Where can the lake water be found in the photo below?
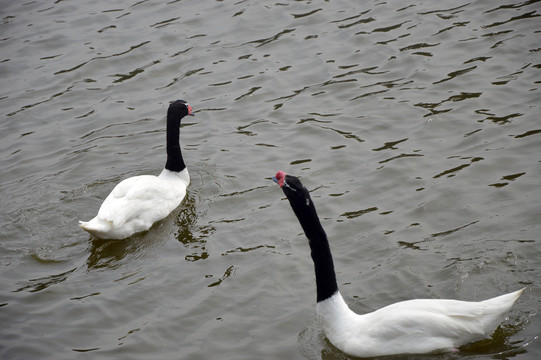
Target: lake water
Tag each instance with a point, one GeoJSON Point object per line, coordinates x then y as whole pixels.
{"type": "Point", "coordinates": [415, 125]}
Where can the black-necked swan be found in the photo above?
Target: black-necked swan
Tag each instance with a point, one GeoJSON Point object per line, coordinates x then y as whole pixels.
{"type": "Point", "coordinates": [415, 326]}
{"type": "Point", "coordinates": [138, 202]}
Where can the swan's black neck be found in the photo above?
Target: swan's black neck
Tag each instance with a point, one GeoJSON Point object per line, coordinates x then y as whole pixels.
{"type": "Point", "coordinates": [320, 249]}
{"type": "Point", "coordinates": [175, 162]}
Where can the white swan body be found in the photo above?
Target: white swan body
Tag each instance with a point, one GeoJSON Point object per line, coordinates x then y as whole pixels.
{"type": "Point", "coordinates": [408, 327]}
{"type": "Point", "coordinates": [138, 202]}
{"type": "Point", "coordinates": [412, 327]}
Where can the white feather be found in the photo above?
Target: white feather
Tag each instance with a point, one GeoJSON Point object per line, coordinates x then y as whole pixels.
{"type": "Point", "coordinates": [136, 203]}
{"type": "Point", "coordinates": [414, 326]}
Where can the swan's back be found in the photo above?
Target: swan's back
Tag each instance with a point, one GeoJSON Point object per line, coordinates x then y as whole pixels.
{"type": "Point", "coordinates": [466, 320]}
{"type": "Point", "coordinates": [136, 203]}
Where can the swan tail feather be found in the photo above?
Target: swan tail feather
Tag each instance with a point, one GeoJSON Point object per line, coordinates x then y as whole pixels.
{"type": "Point", "coordinates": [96, 227]}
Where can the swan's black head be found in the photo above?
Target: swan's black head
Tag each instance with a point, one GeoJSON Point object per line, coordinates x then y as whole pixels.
{"type": "Point", "coordinates": [179, 108]}
{"type": "Point", "coordinates": [297, 194]}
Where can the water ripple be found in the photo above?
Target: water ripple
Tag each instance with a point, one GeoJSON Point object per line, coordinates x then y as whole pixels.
{"type": "Point", "coordinates": [102, 57]}
{"type": "Point", "coordinates": [415, 126]}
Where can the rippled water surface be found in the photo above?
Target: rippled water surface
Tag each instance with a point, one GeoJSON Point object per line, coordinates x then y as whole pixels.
{"type": "Point", "coordinates": [415, 125]}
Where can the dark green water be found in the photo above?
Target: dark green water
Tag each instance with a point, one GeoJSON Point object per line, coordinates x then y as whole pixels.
{"type": "Point", "coordinates": [416, 126]}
